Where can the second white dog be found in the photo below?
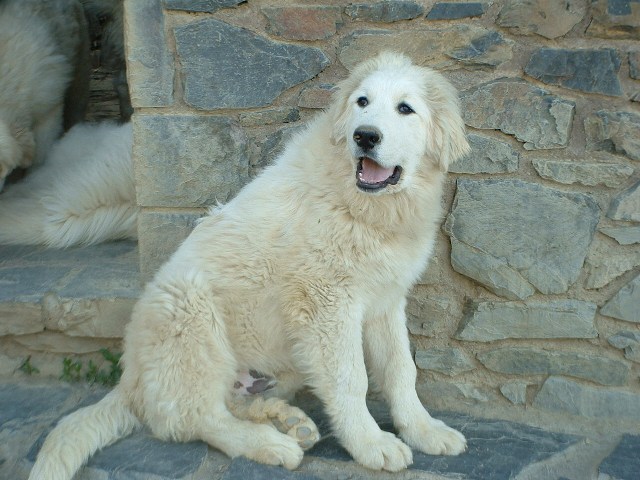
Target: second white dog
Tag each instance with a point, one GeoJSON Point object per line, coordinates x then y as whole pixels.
{"type": "Point", "coordinates": [82, 195]}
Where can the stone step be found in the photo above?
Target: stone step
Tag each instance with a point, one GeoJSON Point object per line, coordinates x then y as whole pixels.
{"type": "Point", "coordinates": [497, 449]}
{"type": "Point", "coordinates": [65, 302]}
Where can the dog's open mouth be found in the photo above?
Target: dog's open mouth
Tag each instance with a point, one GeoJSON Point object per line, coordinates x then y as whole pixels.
{"type": "Point", "coordinates": [371, 176]}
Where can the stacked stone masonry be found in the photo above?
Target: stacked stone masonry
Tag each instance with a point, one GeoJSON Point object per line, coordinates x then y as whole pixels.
{"type": "Point", "coordinates": [533, 295]}
{"type": "Point", "coordinates": [533, 291]}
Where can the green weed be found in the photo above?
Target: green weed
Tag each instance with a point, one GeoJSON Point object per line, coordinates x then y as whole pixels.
{"type": "Point", "coordinates": [109, 376]}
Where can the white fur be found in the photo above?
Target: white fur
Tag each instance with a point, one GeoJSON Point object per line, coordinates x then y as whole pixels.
{"type": "Point", "coordinates": [40, 43]}
{"type": "Point", "coordinates": [83, 194]}
{"type": "Point", "coordinates": [302, 277]}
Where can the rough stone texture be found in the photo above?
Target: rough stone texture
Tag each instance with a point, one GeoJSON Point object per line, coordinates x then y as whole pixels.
{"type": "Point", "coordinates": [20, 319]}
{"type": "Point", "coordinates": [624, 462]}
{"type": "Point", "coordinates": [385, 11]}
{"type": "Point", "coordinates": [9, 365]}
{"type": "Point", "coordinates": [99, 317]}
{"type": "Point", "coordinates": [634, 65]}
{"type": "Point", "coordinates": [616, 19]}
{"type": "Point", "coordinates": [269, 117]}
{"type": "Point", "coordinates": [163, 234]}
{"type": "Point", "coordinates": [441, 394]}
{"type": "Point", "coordinates": [206, 156]}
{"type": "Point", "coordinates": [209, 6]}
{"type": "Point", "coordinates": [494, 273]}
{"type": "Point", "coordinates": [488, 155]}
{"type": "Point", "coordinates": [629, 342]}
{"type": "Point", "coordinates": [533, 115]}
{"type": "Point", "coordinates": [218, 74]}
{"type": "Point", "coordinates": [590, 174]}
{"type": "Point", "coordinates": [470, 45]}
{"type": "Point", "coordinates": [489, 321]}
{"type": "Point", "coordinates": [536, 361]}
{"type": "Point", "coordinates": [515, 392]}
{"type": "Point", "coordinates": [543, 17]}
{"type": "Point", "coordinates": [150, 67]}
{"type": "Point", "coordinates": [623, 235]}
{"type": "Point", "coordinates": [616, 132]}
{"type": "Point", "coordinates": [566, 396]}
{"type": "Point", "coordinates": [453, 11]}
{"type": "Point", "coordinates": [625, 305]}
{"type": "Point", "coordinates": [626, 206]}
{"type": "Point", "coordinates": [450, 361]}
{"type": "Point", "coordinates": [317, 96]}
{"type": "Point", "coordinates": [518, 249]}
{"type": "Point", "coordinates": [427, 315]}
{"type": "Point", "coordinates": [60, 343]}
{"type": "Point", "coordinates": [592, 71]}
{"type": "Point", "coordinates": [302, 22]}
{"type": "Point", "coordinates": [604, 265]}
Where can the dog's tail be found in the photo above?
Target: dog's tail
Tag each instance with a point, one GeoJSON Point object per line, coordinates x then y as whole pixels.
{"type": "Point", "coordinates": [63, 221]}
{"type": "Point", "coordinates": [79, 435]}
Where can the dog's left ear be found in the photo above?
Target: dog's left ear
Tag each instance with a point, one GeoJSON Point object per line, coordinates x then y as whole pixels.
{"type": "Point", "coordinates": [448, 135]}
{"type": "Point", "coordinates": [339, 115]}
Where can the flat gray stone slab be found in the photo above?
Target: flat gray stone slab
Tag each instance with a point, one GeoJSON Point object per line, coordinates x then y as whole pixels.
{"type": "Point", "coordinates": [26, 402]}
{"type": "Point", "coordinates": [103, 271]}
{"type": "Point", "coordinates": [499, 238]}
{"type": "Point", "coordinates": [496, 449]}
{"type": "Point", "coordinates": [143, 453]}
{"type": "Point", "coordinates": [624, 462]}
{"type": "Point", "coordinates": [243, 469]}
{"type": "Point", "coordinates": [593, 71]}
{"type": "Point", "coordinates": [233, 82]}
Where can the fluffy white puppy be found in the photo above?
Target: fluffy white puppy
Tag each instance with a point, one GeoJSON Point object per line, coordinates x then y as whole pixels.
{"type": "Point", "coordinates": [83, 194]}
{"type": "Point", "coordinates": [302, 277]}
{"type": "Point", "coordinates": [44, 77]}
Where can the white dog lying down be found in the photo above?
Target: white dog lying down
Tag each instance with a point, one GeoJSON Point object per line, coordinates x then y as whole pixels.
{"type": "Point", "coordinates": [303, 277]}
{"type": "Point", "coordinates": [83, 194]}
{"type": "Point", "coordinates": [44, 77]}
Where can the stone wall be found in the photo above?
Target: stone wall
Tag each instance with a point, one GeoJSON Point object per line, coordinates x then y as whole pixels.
{"type": "Point", "coordinates": [533, 296]}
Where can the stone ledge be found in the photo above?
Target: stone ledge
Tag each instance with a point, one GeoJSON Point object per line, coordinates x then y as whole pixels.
{"type": "Point", "coordinates": [67, 301]}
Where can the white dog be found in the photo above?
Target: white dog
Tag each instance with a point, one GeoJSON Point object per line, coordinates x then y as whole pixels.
{"type": "Point", "coordinates": [303, 277]}
{"type": "Point", "coordinates": [44, 55]}
{"type": "Point", "coordinates": [83, 194]}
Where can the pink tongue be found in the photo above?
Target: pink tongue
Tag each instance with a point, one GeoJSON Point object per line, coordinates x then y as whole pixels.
{"type": "Point", "coordinates": [374, 173]}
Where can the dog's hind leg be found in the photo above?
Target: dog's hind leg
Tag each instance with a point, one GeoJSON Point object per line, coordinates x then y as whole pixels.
{"type": "Point", "coordinates": [275, 411]}
{"type": "Point", "coordinates": [182, 368]}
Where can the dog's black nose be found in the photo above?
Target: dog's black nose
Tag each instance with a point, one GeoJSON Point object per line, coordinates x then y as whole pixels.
{"type": "Point", "coordinates": [367, 137]}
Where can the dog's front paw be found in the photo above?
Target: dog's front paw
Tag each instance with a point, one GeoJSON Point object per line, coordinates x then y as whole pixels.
{"type": "Point", "coordinates": [384, 451]}
{"type": "Point", "coordinates": [434, 437]}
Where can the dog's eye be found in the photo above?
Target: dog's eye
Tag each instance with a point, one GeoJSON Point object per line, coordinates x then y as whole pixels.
{"type": "Point", "coordinates": [405, 109]}
{"type": "Point", "coordinates": [362, 102]}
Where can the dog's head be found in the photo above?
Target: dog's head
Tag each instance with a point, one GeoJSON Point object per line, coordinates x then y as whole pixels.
{"type": "Point", "coordinates": [395, 118]}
